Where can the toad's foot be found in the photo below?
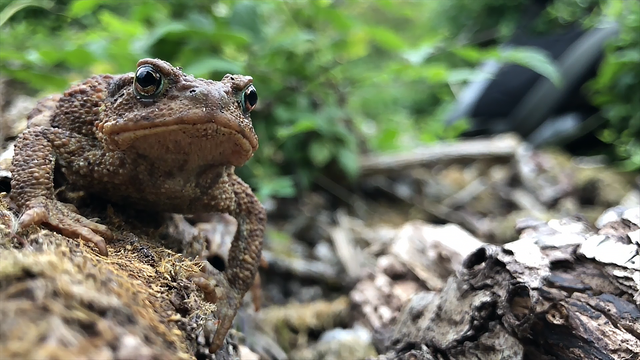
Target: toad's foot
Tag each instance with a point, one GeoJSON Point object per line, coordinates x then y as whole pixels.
{"type": "Point", "coordinates": [62, 219]}
{"type": "Point", "coordinates": [217, 290]}
{"type": "Point", "coordinates": [234, 197]}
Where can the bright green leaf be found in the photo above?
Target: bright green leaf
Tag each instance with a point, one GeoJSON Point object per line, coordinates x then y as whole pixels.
{"type": "Point", "coordinates": [281, 186]}
{"type": "Point", "coordinates": [18, 5]}
{"type": "Point", "coordinates": [299, 127]}
{"type": "Point", "coordinates": [320, 152]}
{"type": "Point", "coordinates": [349, 162]}
{"type": "Point", "coordinates": [534, 59]}
{"type": "Point", "coordinates": [80, 8]}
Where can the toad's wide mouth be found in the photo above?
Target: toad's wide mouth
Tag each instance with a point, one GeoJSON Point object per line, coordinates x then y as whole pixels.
{"type": "Point", "coordinates": [124, 132]}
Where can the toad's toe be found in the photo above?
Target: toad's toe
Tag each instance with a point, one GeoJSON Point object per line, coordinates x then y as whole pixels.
{"type": "Point", "coordinates": [58, 217]}
{"type": "Point", "coordinates": [217, 290]}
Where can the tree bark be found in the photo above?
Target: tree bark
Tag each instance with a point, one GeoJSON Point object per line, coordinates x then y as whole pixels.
{"type": "Point", "coordinates": [564, 290]}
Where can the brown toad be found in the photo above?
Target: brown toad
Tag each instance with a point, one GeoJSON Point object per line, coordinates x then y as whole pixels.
{"type": "Point", "coordinates": [156, 139]}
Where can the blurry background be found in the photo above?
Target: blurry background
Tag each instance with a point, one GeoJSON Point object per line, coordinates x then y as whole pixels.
{"type": "Point", "coordinates": [335, 78]}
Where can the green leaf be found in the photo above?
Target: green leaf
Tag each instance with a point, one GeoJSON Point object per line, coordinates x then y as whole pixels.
{"type": "Point", "coordinates": [280, 186]}
{"type": "Point", "coordinates": [472, 53]}
{"type": "Point", "coordinates": [80, 8]}
{"type": "Point", "coordinates": [244, 17]}
{"type": "Point", "coordinates": [631, 55]}
{"type": "Point", "coordinates": [419, 55]}
{"type": "Point", "coordinates": [79, 57]}
{"type": "Point", "coordinates": [349, 162]}
{"type": "Point", "coordinates": [387, 138]}
{"type": "Point", "coordinates": [436, 73]}
{"type": "Point", "coordinates": [386, 38]}
{"type": "Point", "coordinates": [38, 80]}
{"type": "Point", "coordinates": [462, 75]}
{"type": "Point", "coordinates": [18, 5]}
{"type": "Point", "coordinates": [320, 153]}
{"type": "Point", "coordinates": [302, 126]}
{"type": "Point", "coordinates": [154, 36]}
{"type": "Point", "coordinates": [534, 59]}
{"type": "Point", "coordinates": [119, 25]}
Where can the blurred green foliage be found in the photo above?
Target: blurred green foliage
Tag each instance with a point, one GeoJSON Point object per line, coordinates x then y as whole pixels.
{"type": "Point", "coordinates": [332, 79]}
{"type": "Point", "coordinates": [617, 87]}
{"type": "Point", "coordinates": [335, 78]}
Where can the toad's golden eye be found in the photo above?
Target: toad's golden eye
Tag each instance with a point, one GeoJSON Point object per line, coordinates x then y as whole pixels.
{"type": "Point", "coordinates": [148, 82]}
{"type": "Point", "coordinates": [249, 99]}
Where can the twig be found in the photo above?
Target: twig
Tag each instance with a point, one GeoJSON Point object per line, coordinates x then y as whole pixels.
{"type": "Point", "coordinates": [346, 249]}
{"type": "Point", "coordinates": [504, 145]}
{"type": "Point", "coordinates": [309, 269]}
{"type": "Point", "coordinates": [465, 195]}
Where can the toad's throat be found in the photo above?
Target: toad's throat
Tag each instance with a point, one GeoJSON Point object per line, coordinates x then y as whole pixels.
{"type": "Point", "coordinates": [124, 132]}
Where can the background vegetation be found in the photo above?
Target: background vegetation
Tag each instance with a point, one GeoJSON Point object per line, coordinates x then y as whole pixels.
{"type": "Point", "coordinates": [335, 78]}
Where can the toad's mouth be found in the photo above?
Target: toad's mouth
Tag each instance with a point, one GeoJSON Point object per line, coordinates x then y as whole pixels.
{"type": "Point", "coordinates": [124, 132]}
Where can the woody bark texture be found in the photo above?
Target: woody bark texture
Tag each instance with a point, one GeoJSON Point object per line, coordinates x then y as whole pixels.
{"type": "Point", "coordinates": [564, 290]}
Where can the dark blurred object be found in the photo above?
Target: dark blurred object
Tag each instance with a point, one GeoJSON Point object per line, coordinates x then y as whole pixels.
{"type": "Point", "coordinates": [517, 99]}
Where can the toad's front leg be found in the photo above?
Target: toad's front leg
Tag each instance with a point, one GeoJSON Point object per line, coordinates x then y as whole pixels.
{"type": "Point", "coordinates": [232, 196]}
{"type": "Point", "coordinates": [32, 186]}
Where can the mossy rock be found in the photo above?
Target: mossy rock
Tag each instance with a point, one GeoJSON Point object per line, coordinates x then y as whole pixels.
{"type": "Point", "coordinates": [59, 299]}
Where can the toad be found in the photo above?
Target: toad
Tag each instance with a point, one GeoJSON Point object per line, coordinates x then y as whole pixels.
{"type": "Point", "coordinates": [156, 139]}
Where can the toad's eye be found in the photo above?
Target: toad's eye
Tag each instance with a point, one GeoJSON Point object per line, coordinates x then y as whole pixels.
{"type": "Point", "coordinates": [249, 99]}
{"type": "Point", "coordinates": [148, 82]}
